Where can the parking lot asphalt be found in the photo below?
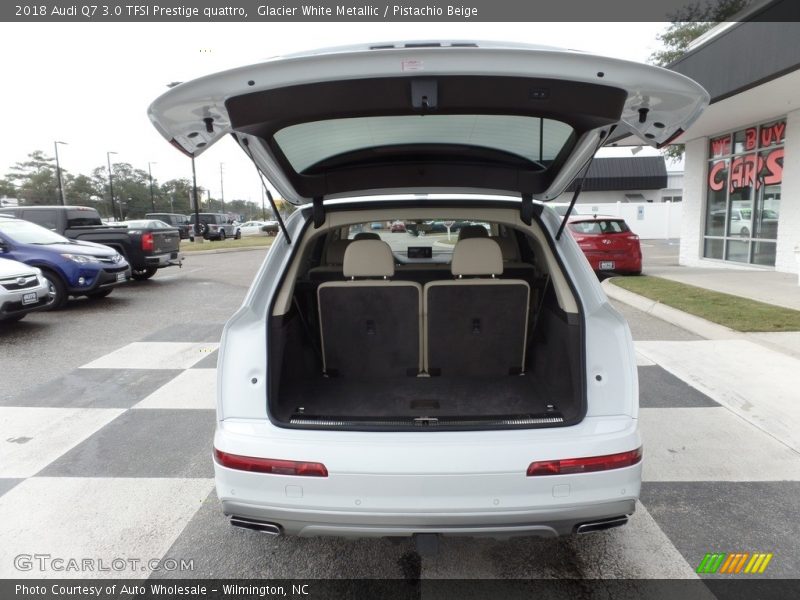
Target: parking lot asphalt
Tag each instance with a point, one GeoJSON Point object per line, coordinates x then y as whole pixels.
{"type": "Point", "coordinates": [106, 424]}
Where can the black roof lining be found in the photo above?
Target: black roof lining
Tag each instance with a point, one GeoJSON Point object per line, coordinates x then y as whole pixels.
{"type": "Point", "coordinates": [583, 106]}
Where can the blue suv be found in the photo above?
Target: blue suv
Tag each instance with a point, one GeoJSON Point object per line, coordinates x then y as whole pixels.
{"type": "Point", "coordinates": [72, 268]}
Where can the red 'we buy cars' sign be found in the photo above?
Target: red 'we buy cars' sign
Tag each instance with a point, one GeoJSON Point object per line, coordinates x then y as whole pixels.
{"type": "Point", "coordinates": [755, 168]}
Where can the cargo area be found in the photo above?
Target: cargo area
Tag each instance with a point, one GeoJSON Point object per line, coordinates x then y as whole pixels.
{"type": "Point", "coordinates": [445, 339]}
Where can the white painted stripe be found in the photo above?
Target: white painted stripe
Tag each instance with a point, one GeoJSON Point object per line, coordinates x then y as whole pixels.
{"type": "Point", "coordinates": [711, 444]}
{"type": "Point", "coordinates": [194, 388]}
{"type": "Point", "coordinates": [758, 384]}
{"type": "Point", "coordinates": [31, 438]}
{"type": "Point", "coordinates": [638, 550]}
{"type": "Point", "coordinates": [98, 519]}
{"type": "Point", "coordinates": [154, 355]}
{"type": "Point", "coordinates": [643, 361]}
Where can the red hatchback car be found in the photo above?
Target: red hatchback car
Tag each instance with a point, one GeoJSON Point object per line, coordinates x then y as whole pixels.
{"type": "Point", "coordinates": [608, 243]}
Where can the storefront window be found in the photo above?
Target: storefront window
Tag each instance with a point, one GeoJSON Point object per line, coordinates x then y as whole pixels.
{"type": "Point", "coordinates": [743, 195]}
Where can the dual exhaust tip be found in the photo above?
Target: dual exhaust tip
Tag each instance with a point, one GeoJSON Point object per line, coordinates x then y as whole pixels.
{"type": "Point", "coordinates": [255, 525]}
{"type": "Point", "coordinates": [601, 525]}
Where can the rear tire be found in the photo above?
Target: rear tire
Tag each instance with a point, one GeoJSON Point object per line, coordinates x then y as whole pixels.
{"type": "Point", "coordinates": [58, 291]}
{"type": "Point", "coordinates": [144, 274]}
{"type": "Point", "coordinates": [221, 235]}
{"type": "Point", "coordinates": [238, 235]}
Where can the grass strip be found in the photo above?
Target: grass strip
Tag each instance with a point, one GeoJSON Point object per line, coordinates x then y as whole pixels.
{"type": "Point", "coordinates": [735, 312]}
{"type": "Point", "coordinates": [245, 242]}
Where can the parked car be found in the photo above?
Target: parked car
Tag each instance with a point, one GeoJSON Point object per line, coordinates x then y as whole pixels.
{"type": "Point", "coordinates": [608, 243]}
{"type": "Point", "coordinates": [83, 223]}
{"type": "Point", "coordinates": [398, 227]}
{"type": "Point", "coordinates": [181, 222]}
{"type": "Point", "coordinates": [251, 228]}
{"type": "Point", "coordinates": [23, 289]}
{"type": "Point", "coordinates": [71, 267]}
{"type": "Point", "coordinates": [214, 226]}
{"type": "Point", "coordinates": [494, 394]}
{"type": "Point", "coordinates": [159, 241]}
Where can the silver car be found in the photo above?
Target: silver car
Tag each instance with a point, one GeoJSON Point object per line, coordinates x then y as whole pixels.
{"type": "Point", "coordinates": [22, 290]}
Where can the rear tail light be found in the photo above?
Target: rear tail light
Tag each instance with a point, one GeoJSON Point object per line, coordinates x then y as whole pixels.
{"type": "Point", "coordinates": [591, 464]}
{"type": "Point", "coordinates": [270, 465]}
{"type": "Point", "coordinates": [633, 236]}
{"type": "Point", "coordinates": [147, 242]}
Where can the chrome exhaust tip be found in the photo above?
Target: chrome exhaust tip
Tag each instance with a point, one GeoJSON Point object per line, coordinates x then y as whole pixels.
{"type": "Point", "coordinates": [601, 525]}
{"type": "Point", "coordinates": [254, 525]}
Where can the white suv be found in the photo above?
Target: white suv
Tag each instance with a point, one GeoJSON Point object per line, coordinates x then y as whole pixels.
{"type": "Point", "coordinates": [380, 384]}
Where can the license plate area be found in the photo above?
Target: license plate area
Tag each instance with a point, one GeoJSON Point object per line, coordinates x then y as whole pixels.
{"type": "Point", "coordinates": [30, 298]}
{"type": "Point", "coordinates": [121, 277]}
{"type": "Point", "coordinates": [606, 265]}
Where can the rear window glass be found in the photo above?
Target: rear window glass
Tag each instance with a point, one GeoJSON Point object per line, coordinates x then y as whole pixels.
{"type": "Point", "coordinates": [536, 139]}
{"type": "Point", "coordinates": [599, 226]}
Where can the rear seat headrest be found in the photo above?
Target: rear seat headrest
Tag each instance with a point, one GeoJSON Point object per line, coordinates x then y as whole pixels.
{"type": "Point", "coordinates": [335, 253]}
{"type": "Point", "coordinates": [472, 231]}
{"type": "Point", "coordinates": [368, 258]}
{"type": "Point", "coordinates": [367, 235]}
{"type": "Point", "coordinates": [477, 256]}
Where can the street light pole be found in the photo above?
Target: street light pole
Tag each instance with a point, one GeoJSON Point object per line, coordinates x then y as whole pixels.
{"type": "Point", "coordinates": [111, 185]}
{"type": "Point", "coordinates": [152, 198]}
{"type": "Point", "coordinates": [221, 189]}
{"type": "Point", "coordinates": [58, 174]}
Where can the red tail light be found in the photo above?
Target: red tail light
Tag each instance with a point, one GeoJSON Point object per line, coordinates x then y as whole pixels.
{"type": "Point", "coordinates": [148, 244]}
{"type": "Point", "coordinates": [633, 237]}
{"type": "Point", "coordinates": [270, 465]}
{"type": "Point", "coordinates": [570, 466]}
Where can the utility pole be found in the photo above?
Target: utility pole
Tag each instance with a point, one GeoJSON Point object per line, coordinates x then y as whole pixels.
{"type": "Point", "coordinates": [221, 188]}
{"type": "Point", "coordinates": [111, 185]}
{"type": "Point", "coordinates": [58, 174]}
{"type": "Point", "coordinates": [152, 198]}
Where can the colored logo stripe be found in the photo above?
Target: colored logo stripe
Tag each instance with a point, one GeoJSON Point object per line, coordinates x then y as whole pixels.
{"type": "Point", "coordinates": [734, 563]}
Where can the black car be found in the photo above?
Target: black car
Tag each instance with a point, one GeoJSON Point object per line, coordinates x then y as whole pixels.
{"type": "Point", "coordinates": [180, 222]}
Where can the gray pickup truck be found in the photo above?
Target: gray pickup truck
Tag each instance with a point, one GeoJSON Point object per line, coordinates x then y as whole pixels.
{"type": "Point", "coordinates": [146, 249]}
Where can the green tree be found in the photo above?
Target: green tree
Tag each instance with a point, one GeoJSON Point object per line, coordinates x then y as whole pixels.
{"type": "Point", "coordinates": [82, 190]}
{"type": "Point", "coordinates": [35, 179]}
{"type": "Point", "coordinates": [688, 24]}
{"type": "Point", "coordinates": [7, 189]}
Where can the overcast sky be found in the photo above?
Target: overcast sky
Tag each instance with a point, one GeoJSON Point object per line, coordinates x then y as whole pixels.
{"type": "Point", "coordinates": [89, 84]}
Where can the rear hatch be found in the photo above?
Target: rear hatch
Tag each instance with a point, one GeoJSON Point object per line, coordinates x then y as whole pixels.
{"type": "Point", "coordinates": [433, 117]}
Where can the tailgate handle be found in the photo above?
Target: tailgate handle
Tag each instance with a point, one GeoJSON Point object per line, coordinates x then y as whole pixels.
{"type": "Point", "coordinates": [424, 94]}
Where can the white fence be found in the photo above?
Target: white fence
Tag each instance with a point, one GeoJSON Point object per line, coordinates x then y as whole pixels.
{"type": "Point", "coordinates": [649, 220]}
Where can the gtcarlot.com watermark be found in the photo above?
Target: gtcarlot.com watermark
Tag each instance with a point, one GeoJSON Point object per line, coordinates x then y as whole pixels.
{"type": "Point", "coordinates": [61, 564]}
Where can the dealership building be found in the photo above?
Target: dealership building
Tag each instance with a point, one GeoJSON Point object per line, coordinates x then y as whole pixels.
{"type": "Point", "coordinates": [741, 187]}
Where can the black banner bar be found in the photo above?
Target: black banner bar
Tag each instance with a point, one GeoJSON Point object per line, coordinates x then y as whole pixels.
{"type": "Point", "coordinates": [372, 10]}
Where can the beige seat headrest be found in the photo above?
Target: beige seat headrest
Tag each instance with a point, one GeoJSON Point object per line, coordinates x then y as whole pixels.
{"type": "Point", "coordinates": [367, 235]}
{"type": "Point", "coordinates": [335, 253]}
{"type": "Point", "coordinates": [368, 258]}
{"type": "Point", "coordinates": [477, 256]}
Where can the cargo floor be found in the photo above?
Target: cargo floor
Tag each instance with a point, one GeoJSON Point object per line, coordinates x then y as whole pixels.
{"type": "Point", "coordinates": [414, 397]}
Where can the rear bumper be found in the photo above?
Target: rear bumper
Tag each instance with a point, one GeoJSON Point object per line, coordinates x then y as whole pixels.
{"type": "Point", "coordinates": [167, 259]}
{"type": "Point", "coordinates": [551, 522]}
{"type": "Point", "coordinates": [420, 485]}
{"type": "Point", "coordinates": [622, 263]}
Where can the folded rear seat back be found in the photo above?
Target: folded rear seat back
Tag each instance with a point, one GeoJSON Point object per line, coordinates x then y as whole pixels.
{"type": "Point", "coordinates": [371, 326]}
{"type": "Point", "coordinates": [475, 325]}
